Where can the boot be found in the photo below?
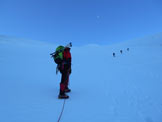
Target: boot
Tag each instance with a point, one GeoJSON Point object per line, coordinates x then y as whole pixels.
{"type": "Point", "coordinates": [67, 90]}
{"type": "Point", "coordinates": [62, 95]}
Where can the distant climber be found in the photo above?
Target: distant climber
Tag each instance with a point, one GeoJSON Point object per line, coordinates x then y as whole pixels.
{"type": "Point", "coordinates": [121, 51]}
{"type": "Point", "coordinates": [113, 54]}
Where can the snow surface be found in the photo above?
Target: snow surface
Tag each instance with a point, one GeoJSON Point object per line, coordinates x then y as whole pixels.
{"type": "Point", "coordinates": [125, 88]}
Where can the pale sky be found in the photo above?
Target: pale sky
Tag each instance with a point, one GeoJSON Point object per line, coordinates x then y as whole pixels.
{"type": "Point", "coordinates": [80, 21]}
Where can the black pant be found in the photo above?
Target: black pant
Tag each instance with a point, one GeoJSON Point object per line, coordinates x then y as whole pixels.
{"type": "Point", "coordinates": [65, 72]}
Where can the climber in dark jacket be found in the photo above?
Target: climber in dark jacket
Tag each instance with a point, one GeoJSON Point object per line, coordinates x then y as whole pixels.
{"type": "Point", "coordinates": [65, 69]}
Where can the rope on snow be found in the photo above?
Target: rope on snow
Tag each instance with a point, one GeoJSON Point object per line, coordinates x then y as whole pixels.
{"type": "Point", "coordinates": [61, 111]}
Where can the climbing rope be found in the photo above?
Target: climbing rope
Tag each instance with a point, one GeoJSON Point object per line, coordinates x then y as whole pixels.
{"type": "Point", "coordinates": [61, 111]}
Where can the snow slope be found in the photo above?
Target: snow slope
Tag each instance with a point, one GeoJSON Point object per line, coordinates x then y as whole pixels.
{"type": "Point", "coordinates": [126, 88]}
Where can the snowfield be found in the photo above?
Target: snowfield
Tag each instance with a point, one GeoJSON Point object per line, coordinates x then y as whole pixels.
{"type": "Point", "coordinates": [124, 88]}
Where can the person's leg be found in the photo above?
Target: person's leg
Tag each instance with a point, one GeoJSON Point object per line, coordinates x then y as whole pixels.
{"type": "Point", "coordinates": [67, 83]}
{"type": "Point", "coordinates": [62, 86]}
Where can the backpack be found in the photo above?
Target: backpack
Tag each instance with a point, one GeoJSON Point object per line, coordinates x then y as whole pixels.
{"type": "Point", "coordinates": [58, 54]}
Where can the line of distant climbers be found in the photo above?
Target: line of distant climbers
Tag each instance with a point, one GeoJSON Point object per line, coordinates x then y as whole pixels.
{"type": "Point", "coordinates": [121, 51]}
